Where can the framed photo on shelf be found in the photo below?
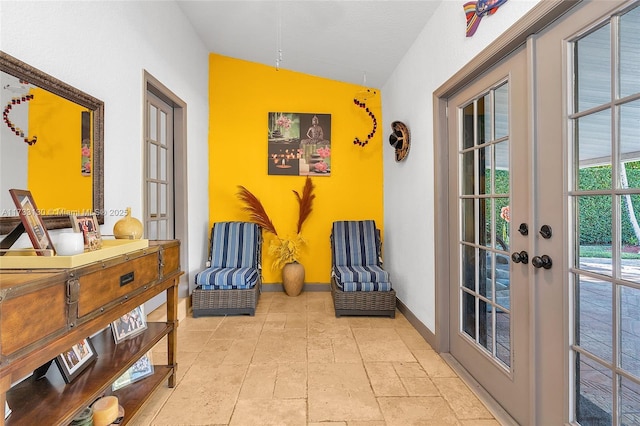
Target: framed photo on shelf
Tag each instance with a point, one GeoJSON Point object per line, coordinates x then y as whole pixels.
{"type": "Point", "coordinates": [138, 371]}
{"type": "Point", "coordinates": [73, 361]}
{"type": "Point", "coordinates": [129, 325]}
{"type": "Point", "coordinates": [32, 222]}
{"type": "Point", "coordinates": [88, 225]}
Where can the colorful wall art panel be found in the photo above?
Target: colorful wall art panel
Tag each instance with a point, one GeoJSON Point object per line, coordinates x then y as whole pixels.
{"type": "Point", "coordinates": [299, 144]}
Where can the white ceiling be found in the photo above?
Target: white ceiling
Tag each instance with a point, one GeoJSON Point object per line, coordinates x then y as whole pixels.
{"type": "Point", "coordinates": [354, 41]}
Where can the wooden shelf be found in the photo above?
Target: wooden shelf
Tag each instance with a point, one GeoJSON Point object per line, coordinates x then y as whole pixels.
{"type": "Point", "coordinates": [135, 395]}
{"type": "Point", "coordinates": [39, 401]}
{"type": "Point", "coordinates": [43, 313]}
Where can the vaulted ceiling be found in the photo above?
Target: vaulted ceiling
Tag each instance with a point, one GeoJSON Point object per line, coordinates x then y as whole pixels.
{"type": "Point", "coordinates": [358, 42]}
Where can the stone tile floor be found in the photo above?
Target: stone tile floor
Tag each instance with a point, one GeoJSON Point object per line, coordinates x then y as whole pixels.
{"type": "Point", "coordinates": [295, 363]}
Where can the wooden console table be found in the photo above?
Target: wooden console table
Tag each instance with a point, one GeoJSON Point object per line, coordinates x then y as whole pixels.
{"type": "Point", "coordinates": [45, 312]}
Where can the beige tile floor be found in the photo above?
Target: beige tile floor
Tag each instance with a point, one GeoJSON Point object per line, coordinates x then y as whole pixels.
{"type": "Point", "coordinates": [295, 363]}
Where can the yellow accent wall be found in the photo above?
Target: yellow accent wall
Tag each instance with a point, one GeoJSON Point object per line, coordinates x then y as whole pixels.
{"type": "Point", "coordinates": [55, 178]}
{"type": "Point", "coordinates": [241, 96]}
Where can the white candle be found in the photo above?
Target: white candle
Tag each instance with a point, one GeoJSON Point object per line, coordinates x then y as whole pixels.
{"type": "Point", "coordinates": [69, 243]}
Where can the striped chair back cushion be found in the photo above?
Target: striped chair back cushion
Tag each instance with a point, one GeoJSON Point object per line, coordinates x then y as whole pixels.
{"type": "Point", "coordinates": [354, 243]}
{"type": "Point", "coordinates": [233, 245]}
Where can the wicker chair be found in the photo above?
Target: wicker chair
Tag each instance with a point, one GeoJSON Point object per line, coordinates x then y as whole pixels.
{"type": "Point", "coordinates": [231, 283]}
{"type": "Point", "coordinates": [359, 285]}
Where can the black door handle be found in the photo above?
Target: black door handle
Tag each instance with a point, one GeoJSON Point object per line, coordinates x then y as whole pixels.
{"type": "Point", "coordinates": [523, 229]}
{"type": "Point", "coordinates": [545, 231]}
{"type": "Point", "coordinates": [523, 257]}
{"type": "Point", "coordinates": [543, 261]}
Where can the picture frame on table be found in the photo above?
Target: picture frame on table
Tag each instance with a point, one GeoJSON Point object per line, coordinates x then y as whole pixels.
{"type": "Point", "coordinates": [76, 359]}
{"type": "Point", "coordinates": [32, 222]}
{"type": "Point", "coordinates": [90, 228]}
{"type": "Point", "coordinates": [129, 325]}
{"type": "Point", "coordinates": [139, 370]}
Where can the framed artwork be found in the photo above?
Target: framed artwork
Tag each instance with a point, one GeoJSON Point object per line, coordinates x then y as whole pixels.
{"type": "Point", "coordinates": [73, 361]}
{"type": "Point", "coordinates": [138, 371]}
{"type": "Point", "coordinates": [129, 325]}
{"type": "Point", "coordinates": [299, 144]}
{"type": "Point", "coordinates": [33, 224]}
{"type": "Point", "coordinates": [88, 225]}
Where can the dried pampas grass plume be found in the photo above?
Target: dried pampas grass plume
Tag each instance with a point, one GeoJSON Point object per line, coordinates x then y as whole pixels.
{"type": "Point", "coordinates": [305, 201]}
{"type": "Point", "coordinates": [256, 210]}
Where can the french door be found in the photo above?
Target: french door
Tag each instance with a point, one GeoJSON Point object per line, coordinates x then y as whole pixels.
{"type": "Point", "coordinates": [544, 157]}
{"type": "Point", "coordinates": [159, 202]}
{"type": "Point", "coordinates": [489, 152]}
{"type": "Point", "coordinates": [595, 112]}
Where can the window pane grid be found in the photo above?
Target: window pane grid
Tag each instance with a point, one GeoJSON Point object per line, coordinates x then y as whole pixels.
{"type": "Point", "coordinates": [484, 203]}
{"type": "Point", "coordinates": [159, 211]}
{"type": "Point", "coordinates": [605, 203]}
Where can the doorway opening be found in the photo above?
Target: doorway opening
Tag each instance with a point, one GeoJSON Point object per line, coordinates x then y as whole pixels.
{"type": "Point", "coordinates": [165, 171]}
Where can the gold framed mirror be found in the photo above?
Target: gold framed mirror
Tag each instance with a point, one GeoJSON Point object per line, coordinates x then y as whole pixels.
{"type": "Point", "coordinates": [87, 145]}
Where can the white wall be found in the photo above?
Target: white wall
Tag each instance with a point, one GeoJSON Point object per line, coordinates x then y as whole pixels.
{"type": "Point", "coordinates": [440, 51]}
{"type": "Point", "coordinates": [102, 48]}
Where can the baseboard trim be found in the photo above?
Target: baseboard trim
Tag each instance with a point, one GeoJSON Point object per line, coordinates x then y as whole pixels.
{"type": "Point", "coordinates": [426, 334]}
{"type": "Point", "coordinates": [307, 287]}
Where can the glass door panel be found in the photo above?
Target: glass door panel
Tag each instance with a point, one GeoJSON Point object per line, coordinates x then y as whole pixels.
{"type": "Point", "coordinates": [159, 217]}
{"type": "Point", "coordinates": [487, 325]}
{"type": "Point", "coordinates": [485, 285]}
{"type": "Point", "coordinates": [605, 200]}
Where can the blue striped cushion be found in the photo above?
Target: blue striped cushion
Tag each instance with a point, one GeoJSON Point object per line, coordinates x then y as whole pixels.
{"type": "Point", "coordinates": [371, 273]}
{"type": "Point", "coordinates": [364, 286]}
{"type": "Point", "coordinates": [354, 243]}
{"type": "Point", "coordinates": [216, 278]}
{"type": "Point", "coordinates": [234, 245]}
{"type": "Point", "coordinates": [362, 278]}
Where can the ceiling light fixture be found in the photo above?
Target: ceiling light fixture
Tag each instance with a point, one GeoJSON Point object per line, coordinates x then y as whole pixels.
{"type": "Point", "coordinates": [279, 38]}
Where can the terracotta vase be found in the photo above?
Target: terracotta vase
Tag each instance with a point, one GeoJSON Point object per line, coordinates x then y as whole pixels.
{"type": "Point", "coordinates": [293, 278]}
{"type": "Point", "coordinates": [128, 227]}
